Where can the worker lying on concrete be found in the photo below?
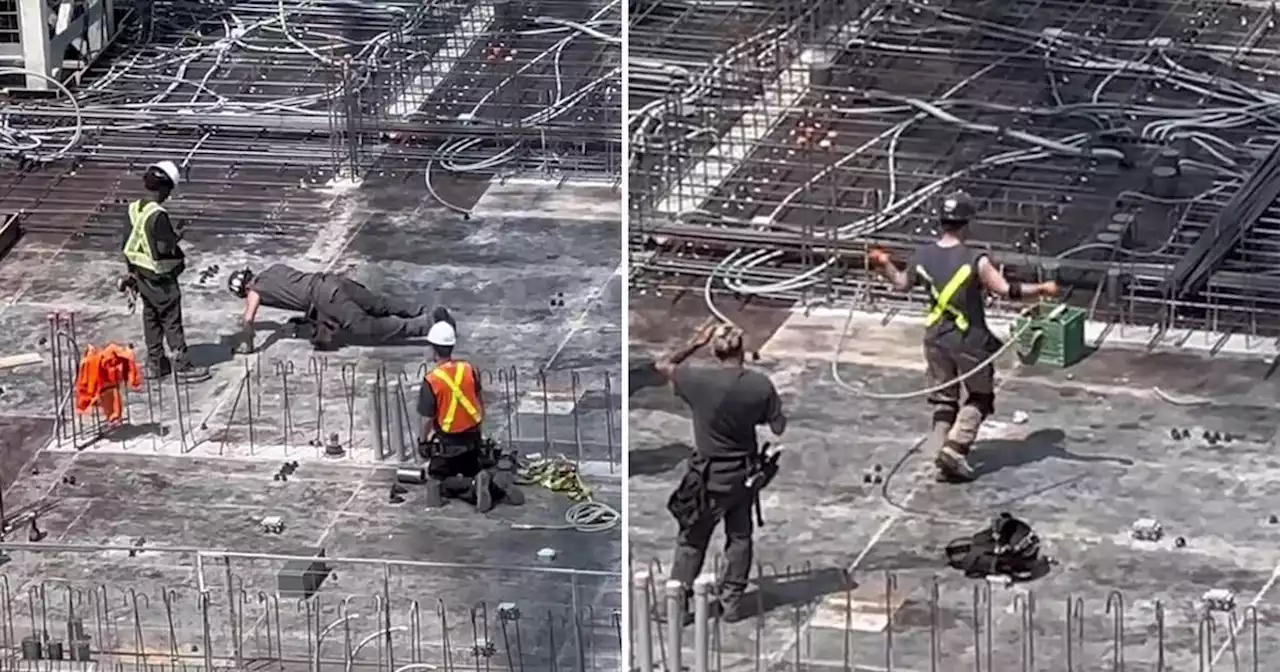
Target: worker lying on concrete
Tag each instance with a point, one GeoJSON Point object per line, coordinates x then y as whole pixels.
{"type": "Point", "coordinates": [336, 307]}
{"type": "Point", "coordinates": [155, 262]}
{"type": "Point", "coordinates": [957, 339]}
{"type": "Point", "coordinates": [461, 464]}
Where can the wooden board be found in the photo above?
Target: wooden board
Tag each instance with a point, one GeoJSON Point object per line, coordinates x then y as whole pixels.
{"type": "Point", "coordinates": [25, 359]}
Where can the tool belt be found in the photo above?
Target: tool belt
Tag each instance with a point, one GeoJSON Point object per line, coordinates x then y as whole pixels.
{"type": "Point", "coordinates": [689, 502]}
{"type": "Point", "coordinates": [691, 499]}
{"type": "Point", "coordinates": [1008, 547]}
{"type": "Point", "coordinates": [435, 447]}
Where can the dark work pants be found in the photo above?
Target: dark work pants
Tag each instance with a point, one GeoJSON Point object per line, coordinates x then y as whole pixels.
{"type": "Point", "coordinates": [348, 307]}
{"type": "Point", "coordinates": [456, 467]}
{"type": "Point", "coordinates": [948, 361]}
{"type": "Point", "coordinates": [734, 509]}
{"type": "Point", "coordinates": [162, 321]}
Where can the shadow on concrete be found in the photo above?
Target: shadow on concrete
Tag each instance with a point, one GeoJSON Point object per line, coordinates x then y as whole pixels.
{"type": "Point", "coordinates": [210, 354]}
{"type": "Point", "coordinates": [996, 454]}
{"type": "Point", "coordinates": [794, 589]}
{"type": "Point", "coordinates": [653, 462]}
{"type": "Point", "coordinates": [643, 374]}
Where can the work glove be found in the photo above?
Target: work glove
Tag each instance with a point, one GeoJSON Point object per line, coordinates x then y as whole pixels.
{"type": "Point", "coordinates": [244, 340]}
{"type": "Point", "coordinates": [128, 285]}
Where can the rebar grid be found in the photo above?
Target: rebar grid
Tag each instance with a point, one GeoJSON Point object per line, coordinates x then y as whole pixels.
{"type": "Point", "coordinates": [898, 620]}
{"type": "Point", "coordinates": [230, 617]}
{"type": "Point", "coordinates": [278, 409]}
{"type": "Point", "coordinates": [308, 93]}
{"type": "Point", "coordinates": [1082, 125]}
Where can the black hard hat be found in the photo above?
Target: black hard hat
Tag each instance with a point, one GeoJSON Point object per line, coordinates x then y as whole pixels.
{"type": "Point", "coordinates": [238, 282]}
{"type": "Point", "coordinates": [958, 208]}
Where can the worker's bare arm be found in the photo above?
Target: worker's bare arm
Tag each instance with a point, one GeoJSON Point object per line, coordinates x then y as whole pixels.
{"type": "Point", "coordinates": [251, 303]}
{"type": "Point", "coordinates": [773, 416]}
{"type": "Point", "coordinates": [995, 283]}
{"type": "Point", "coordinates": [882, 263]}
{"type": "Point", "coordinates": [667, 364]}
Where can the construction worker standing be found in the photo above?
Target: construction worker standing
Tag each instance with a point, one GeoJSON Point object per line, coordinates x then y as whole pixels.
{"type": "Point", "coordinates": [957, 339]}
{"type": "Point", "coordinates": [155, 261]}
{"type": "Point", "coordinates": [452, 409]}
{"type": "Point", "coordinates": [727, 401]}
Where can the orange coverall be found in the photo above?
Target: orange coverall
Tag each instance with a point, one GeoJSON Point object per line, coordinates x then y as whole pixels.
{"type": "Point", "coordinates": [101, 374]}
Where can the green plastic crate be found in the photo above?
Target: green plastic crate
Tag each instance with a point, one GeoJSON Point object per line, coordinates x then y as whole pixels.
{"type": "Point", "coordinates": [1061, 340]}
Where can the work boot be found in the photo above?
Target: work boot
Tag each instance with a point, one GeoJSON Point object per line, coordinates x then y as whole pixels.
{"type": "Point", "coordinates": [484, 497]}
{"type": "Point", "coordinates": [953, 465]}
{"type": "Point", "coordinates": [185, 372]}
{"type": "Point", "coordinates": [159, 368]}
{"type": "Point", "coordinates": [505, 481]}
{"type": "Point", "coordinates": [441, 314]}
{"type": "Point", "coordinates": [435, 493]}
{"type": "Point", "coordinates": [733, 608]}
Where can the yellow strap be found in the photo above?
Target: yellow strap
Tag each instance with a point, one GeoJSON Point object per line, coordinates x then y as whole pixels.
{"type": "Point", "coordinates": [455, 385]}
{"type": "Point", "coordinates": [138, 248]}
{"type": "Point", "coordinates": [942, 300]}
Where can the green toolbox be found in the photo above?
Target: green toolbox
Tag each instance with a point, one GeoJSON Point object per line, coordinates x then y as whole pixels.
{"type": "Point", "coordinates": [1055, 336]}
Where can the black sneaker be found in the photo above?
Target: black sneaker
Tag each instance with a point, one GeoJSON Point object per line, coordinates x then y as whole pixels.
{"type": "Point", "coordinates": [954, 465]}
{"type": "Point", "coordinates": [484, 497]}
{"type": "Point", "coordinates": [435, 496]}
{"type": "Point", "coordinates": [192, 374]}
{"type": "Point", "coordinates": [159, 368]}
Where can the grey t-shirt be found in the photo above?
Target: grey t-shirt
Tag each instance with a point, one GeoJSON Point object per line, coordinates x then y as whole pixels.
{"type": "Point", "coordinates": [727, 404]}
{"type": "Point", "coordinates": [280, 286]}
{"type": "Point", "coordinates": [941, 264]}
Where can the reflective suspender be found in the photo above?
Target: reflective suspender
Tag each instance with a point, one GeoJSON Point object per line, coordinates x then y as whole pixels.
{"type": "Point", "coordinates": [137, 249]}
{"type": "Point", "coordinates": [457, 398]}
{"type": "Point", "coordinates": [942, 299]}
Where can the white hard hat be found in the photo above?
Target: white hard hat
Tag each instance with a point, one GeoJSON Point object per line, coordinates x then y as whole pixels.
{"type": "Point", "coordinates": [170, 170]}
{"type": "Point", "coordinates": [443, 335]}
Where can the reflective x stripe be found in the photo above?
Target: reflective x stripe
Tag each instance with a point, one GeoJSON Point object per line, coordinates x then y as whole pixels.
{"type": "Point", "coordinates": [942, 300]}
{"type": "Point", "coordinates": [455, 386]}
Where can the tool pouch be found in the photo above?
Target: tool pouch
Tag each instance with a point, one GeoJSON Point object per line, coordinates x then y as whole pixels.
{"type": "Point", "coordinates": [689, 502]}
{"type": "Point", "coordinates": [1009, 547]}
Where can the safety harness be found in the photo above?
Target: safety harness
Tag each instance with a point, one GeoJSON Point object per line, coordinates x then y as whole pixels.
{"type": "Point", "coordinates": [1008, 547]}
{"type": "Point", "coordinates": [558, 475]}
{"type": "Point", "coordinates": [942, 299]}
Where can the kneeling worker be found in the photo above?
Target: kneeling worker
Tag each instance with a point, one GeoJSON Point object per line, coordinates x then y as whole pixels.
{"type": "Point", "coordinates": [957, 338]}
{"type": "Point", "coordinates": [155, 261]}
{"type": "Point", "coordinates": [339, 306]}
{"type": "Point", "coordinates": [459, 465]}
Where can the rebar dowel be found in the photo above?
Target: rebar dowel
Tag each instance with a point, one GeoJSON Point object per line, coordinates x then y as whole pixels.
{"type": "Point", "coordinates": [675, 624]}
{"type": "Point", "coordinates": [283, 371]}
{"type": "Point", "coordinates": [701, 622]}
{"type": "Point", "coordinates": [318, 366]}
{"type": "Point", "coordinates": [349, 389]}
{"type": "Point", "coordinates": [546, 411]}
{"type": "Point", "coordinates": [642, 617]}
{"type": "Point", "coordinates": [378, 398]}
{"type": "Point", "coordinates": [397, 446]}
{"type": "Point", "coordinates": [574, 382]}
{"type": "Point", "coordinates": [250, 375]}
{"type": "Point", "coordinates": [409, 452]}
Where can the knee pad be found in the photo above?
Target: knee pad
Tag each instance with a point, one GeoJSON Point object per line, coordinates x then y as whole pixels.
{"type": "Point", "coordinates": [945, 415]}
{"type": "Point", "coordinates": [985, 403]}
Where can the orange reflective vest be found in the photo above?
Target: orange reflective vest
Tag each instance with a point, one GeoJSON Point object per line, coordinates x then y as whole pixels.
{"type": "Point", "coordinates": [458, 407]}
{"type": "Point", "coordinates": [102, 373]}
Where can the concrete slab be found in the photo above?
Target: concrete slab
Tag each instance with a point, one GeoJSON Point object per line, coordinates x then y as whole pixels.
{"type": "Point", "coordinates": [1095, 455]}
{"type": "Point", "coordinates": [194, 470]}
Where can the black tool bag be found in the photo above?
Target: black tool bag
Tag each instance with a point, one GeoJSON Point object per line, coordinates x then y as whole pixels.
{"type": "Point", "coordinates": [689, 502]}
{"type": "Point", "coordinates": [1008, 547]}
